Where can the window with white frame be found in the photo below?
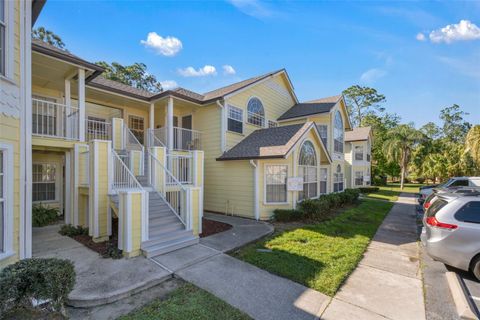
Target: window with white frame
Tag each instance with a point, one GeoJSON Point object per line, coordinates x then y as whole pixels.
{"type": "Point", "coordinates": [44, 116]}
{"type": "Point", "coordinates": [323, 130]}
{"type": "Point", "coordinates": [3, 26]}
{"type": "Point", "coordinates": [256, 113]}
{"type": "Point", "coordinates": [137, 126]}
{"type": "Point", "coordinates": [338, 179]}
{"type": "Point", "coordinates": [276, 183]}
{"type": "Point", "coordinates": [235, 119]}
{"type": "Point", "coordinates": [272, 124]}
{"type": "Point", "coordinates": [338, 133]}
{"type": "Point", "coordinates": [323, 180]}
{"type": "Point", "coordinates": [44, 182]}
{"type": "Point", "coordinates": [358, 150]}
{"type": "Point", "coordinates": [359, 178]}
{"type": "Point", "coordinates": [307, 167]}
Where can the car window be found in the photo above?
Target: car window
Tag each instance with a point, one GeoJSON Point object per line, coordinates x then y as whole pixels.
{"type": "Point", "coordinates": [445, 183]}
{"type": "Point", "coordinates": [435, 207]}
{"type": "Point", "coordinates": [430, 197]}
{"type": "Point", "coordinates": [457, 183]}
{"type": "Point", "coordinates": [470, 212]}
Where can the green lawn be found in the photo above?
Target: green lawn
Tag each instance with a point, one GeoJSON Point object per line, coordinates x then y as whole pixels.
{"type": "Point", "coordinates": [391, 191]}
{"type": "Point", "coordinates": [320, 256]}
{"type": "Point", "coordinates": [187, 302]}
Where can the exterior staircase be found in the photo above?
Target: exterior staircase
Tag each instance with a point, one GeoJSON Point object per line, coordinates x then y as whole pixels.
{"type": "Point", "coordinates": [166, 231]}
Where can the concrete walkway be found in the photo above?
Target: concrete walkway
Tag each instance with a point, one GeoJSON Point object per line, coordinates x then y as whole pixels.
{"type": "Point", "coordinates": [254, 291]}
{"type": "Point", "coordinates": [387, 284]}
{"type": "Point", "coordinates": [98, 281]}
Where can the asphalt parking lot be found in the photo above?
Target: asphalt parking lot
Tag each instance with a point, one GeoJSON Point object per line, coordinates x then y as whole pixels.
{"type": "Point", "coordinates": [473, 290]}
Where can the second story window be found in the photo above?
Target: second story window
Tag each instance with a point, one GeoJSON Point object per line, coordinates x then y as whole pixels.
{"type": "Point", "coordinates": [358, 152]}
{"type": "Point", "coordinates": [323, 130]}
{"type": "Point", "coordinates": [338, 133]}
{"type": "Point", "coordinates": [235, 119]}
{"type": "Point", "coordinates": [256, 113]}
{"type": "Point", "coordinates": [137, 125]}
{"type": "Point", "coordinates": [2, 37]}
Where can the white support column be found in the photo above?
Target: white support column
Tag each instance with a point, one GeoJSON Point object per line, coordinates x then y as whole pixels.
{"type": "Point", "coordinates": [170, 124]}
{"type": "Point", "coordinates": [68, 188]}
{"type": "Point", "coordinates": [81, 104]}
{"type": "Point", "coordinates": [295, 172]}
{"type": "Point", "coordinates": [69, 130]}
{"type": "Point", "coordinates": [152, 116]}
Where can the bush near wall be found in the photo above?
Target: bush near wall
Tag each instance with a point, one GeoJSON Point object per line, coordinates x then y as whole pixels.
{"type": "Point", "coordinates": [43, 215]}
{"type": "Point", "coordinates": [317, 209]}
{"type": "Point", "coordinates": [368, 189]}
{"type": "Point", "coordinates": [45, 280]}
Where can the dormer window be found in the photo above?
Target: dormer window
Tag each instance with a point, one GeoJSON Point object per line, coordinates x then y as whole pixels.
{"type": "Point", "coordinates": [338, 133]}
{"type": "Point", "coordinates": [256, 113]}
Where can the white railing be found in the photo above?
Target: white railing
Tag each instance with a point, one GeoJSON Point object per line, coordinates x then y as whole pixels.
{"type": "Point", "coordinates": [131, 142]}
{"type": "Point", "coordinates": [183, 139]}
{"type": "Point", "coordinates": [84, 159]}
{"type": "Point", "coordinates": [98, 130]}
{"type": "Point", "coordinates": [170, 189]}
{"type": "Point", "coordinates": [123, 178]}
{"type": "Point", "coordinates": [181, 166]}
{"type": "Point", "coordinates": [52, 119]}
{"type": "Point", "coordinates": [156, 137]}
{"type": "Point", "coordinates": [255, 119]}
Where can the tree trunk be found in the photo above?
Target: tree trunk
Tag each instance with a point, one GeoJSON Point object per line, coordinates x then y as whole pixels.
{"type": "Point", "coordinates": [402, 177]}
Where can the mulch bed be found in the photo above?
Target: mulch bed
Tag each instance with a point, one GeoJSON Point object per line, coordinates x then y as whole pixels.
{"type": "Point", "coordinates": [210, 227]}
{"type": "Point", "coordinates": [100, 247]}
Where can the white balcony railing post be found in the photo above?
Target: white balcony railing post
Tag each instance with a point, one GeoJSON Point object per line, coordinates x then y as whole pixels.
{"type": "Point", "coordinates": [51, 119]}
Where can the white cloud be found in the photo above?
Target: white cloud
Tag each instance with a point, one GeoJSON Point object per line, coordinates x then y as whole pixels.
{"type": "Point", "coordinates": [420, 37]}
{"type": "Point", "coordinates": [168, 84]}
{"type": "Point", "coordinates": [372, 75]}
{"type": "Point", "coordinates": [254, 8]}
{"type": "Point", "coordinates": [168, 46]}
{"type": "Point", "coordinates": [228, 69]}
{"type": "Point", "coordinates": [206, 70]}
{"type": "Point", "coordinates": [463, 31]}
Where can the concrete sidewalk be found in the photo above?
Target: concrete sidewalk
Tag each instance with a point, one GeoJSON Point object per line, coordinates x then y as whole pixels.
{"type": "Point", "coordinates": [256, 292]}
{"type": "Point", "coordinates": [387, 284]}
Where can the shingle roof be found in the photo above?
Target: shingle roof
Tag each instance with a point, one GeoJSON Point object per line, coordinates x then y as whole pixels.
{"type": "Point", "coordinates": [358, 134]}
{"type": "Point", "coordinates": [267, 143]}
{"type": "Point", "coordinates": [103, 83]}
{"type": "Point", "coordinates": [45, 48]}
{"type": "Point", "coordinates": [332, 99]}
{"type": "Point", "coordinates": [306, 109]}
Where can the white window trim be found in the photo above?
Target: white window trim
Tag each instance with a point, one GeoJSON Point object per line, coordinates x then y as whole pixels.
{"type": "Point", "coordinates": [8, 186]}
{"type": "Point", "coordinates": [265, 122]}
{"type": "Point", "coordinates": [9, 42]}
{"type": "Point", "coordinates": [57, 182]}
{"type": "Point", "coordinates": [317, 168]}
{"type": "Point", "coordinates": [355, 178]}
{"type": "Point", "coordinates": [327, 145]}
{"type": "Point", "coordinates": [228, 117]}
{"type": "Point", "coordinates": [265, 185]}
{"type": "Point", "coordinates": [326, 167]}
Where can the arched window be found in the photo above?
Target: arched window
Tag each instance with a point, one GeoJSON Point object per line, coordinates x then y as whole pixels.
{"type": "Point", "coordinates": [338, 133]}
{"type": "Point", "coordinates": [338, 179]}
{"type": "Point", "coordinates": [256, 113]}
{"type": "Point", "coordinates": [308, 169]}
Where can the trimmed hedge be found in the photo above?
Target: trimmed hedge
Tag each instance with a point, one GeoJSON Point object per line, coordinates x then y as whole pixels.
{"type": "Point", "coordinates": [317, 209]}
{"type": "Point", "coordinates": [43, 215]}
{"type": "Point", "coordinates": [49, 280]}
{"type": "Point", "coordinates": [368, 189]}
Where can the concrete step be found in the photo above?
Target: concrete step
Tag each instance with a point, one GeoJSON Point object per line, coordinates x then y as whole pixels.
{"type": "Point", "coordinates": [170, 233]}
{"type": "Point", "coordinates": [169, 246]}
{"type": "Point", "coordinates": [159, 220]}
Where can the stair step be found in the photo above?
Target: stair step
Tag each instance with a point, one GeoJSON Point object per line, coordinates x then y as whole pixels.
{"type": "Point", "coordinates": [169, 246]}
{"type": "Point", "coordinates": [163, 219]}
{"type": "Point", "coordinates": [168, 233]}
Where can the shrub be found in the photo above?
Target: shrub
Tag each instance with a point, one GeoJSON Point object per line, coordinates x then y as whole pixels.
{"type": "Point", "coordinates": [112, 251]}
{"type": "Point", "coordinates": [352, 195]}
{"type": "Point", "coordinates": [368, 189]}
{"type": "Point", "coordinates": [323, 208]}
{"type": "Point", "coordinates": [380, 181]}
{"type": "Point", "coordinates": [43, 215]}
{"type": "Point", "coordinates": [309, 208]}
{"type": "Point", "coordinates": [287, 215]}
{"type": "Point", "coordinates": [49, 280]}
{"type": "Point", "coordinates": [70, 231]}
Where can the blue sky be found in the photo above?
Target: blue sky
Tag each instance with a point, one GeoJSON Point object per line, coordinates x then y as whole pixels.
{"type": "Point", "coordinates": [399, 48]}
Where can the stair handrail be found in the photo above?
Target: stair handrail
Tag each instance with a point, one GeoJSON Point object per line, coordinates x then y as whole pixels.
{"type": "Point", "coordinates": [122, 175]}
{"type": "Point", "coordinates": [129, 135]}
{"type": "Point", "coordinates": [153, 138]}
{"type": "Point", "coordinates": [171, 202]}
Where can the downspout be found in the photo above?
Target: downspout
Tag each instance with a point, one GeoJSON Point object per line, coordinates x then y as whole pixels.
{"type": "Point", "coordinates": [255, 189]}
{"type": "Point", "coordinates": [222, 127]}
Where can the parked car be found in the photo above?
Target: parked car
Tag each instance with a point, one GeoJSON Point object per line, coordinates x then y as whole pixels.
{"type": "Point", "coordinates": [452, 182]}
{"type": "Point", "coordinates": [451, 230]}
{"type": "Point", "coordinates": [436, 191]}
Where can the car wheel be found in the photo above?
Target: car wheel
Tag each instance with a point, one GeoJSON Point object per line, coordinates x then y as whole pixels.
{"type": "Point", "coordinates": [475, 267]}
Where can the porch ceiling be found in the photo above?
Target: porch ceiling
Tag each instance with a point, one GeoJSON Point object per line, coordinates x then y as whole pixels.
{"type": "Point", "coordinates": [50, 73]}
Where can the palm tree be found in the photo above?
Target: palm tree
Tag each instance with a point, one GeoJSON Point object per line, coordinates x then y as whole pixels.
{"type": "Point", "coordinates": [472, 143]}
{"type": "Point", "coordinates": [399, 145]}
{"type": "Point", "coordinates": [435, 166]}
{"type": "Point", "coordinates": [48, 36]}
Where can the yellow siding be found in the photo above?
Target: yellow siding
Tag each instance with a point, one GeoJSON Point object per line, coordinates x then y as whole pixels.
{"type": "Point", "coordinates": [274, 103]}
{"type": "Point", "coordinates": [10, 134]}
{"type": "Point", "coordinates": [136, 227]}
{"type": "Point", "coordinates": [99, 171]}
{"type": "Point", "coordinates": [195, 201]}
{"type": "Point", "coordinates": [83, 207]}
{"type": "Point", "coordinates": [83, 169]}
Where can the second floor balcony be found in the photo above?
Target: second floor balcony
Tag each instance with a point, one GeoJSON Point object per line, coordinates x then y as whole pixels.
{"type": "Point", "coordinates": [55, 120]}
